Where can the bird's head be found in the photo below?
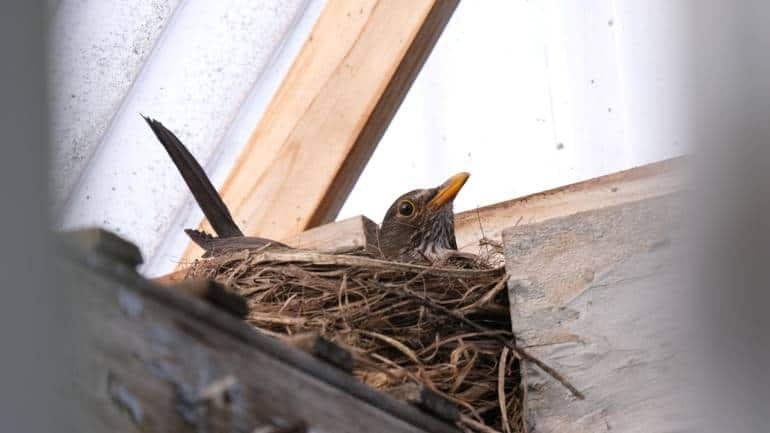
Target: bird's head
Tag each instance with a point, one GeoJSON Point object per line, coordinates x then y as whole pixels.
{"type": "Point", "coordinates": [419, 225]}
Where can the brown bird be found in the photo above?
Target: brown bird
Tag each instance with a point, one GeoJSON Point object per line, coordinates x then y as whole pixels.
{"type": "Point", "coordinates": [419, 225]}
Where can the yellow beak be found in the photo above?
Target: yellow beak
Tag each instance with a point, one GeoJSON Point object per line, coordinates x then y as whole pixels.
{"type": "Point", "coordinates": [448, 190]}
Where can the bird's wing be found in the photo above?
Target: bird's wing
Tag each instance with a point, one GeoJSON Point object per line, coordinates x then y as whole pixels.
{"type": "Point", "coordinates": [199, 184]}
{"type": "Point", "coordinates": [215, 246]}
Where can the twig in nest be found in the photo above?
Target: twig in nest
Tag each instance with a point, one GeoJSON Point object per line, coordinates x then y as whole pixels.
{"type": "Point", "coordinates": [465, 419]}
{"type": "Point", "coordinates": [521, 353]}
{"type": "Point", "coordinates": [363, 262]}
{"type": "Point", "coordinates": [481, 226]}
{"type": "Point", "coordinates": [489, 295]}
{"type": "Point", "coordinates": [395, 343]}
{"type": "Point", "coordinates": [464, 372]}
{"type": "Point", "coordinates": [501, 390]}
{"type": "Point", "coordinates": [492, 243]}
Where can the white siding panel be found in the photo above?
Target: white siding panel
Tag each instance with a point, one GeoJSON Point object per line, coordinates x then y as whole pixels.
{"type": "Point", "coordinates": [201, 71]}
{"type": "Point", "coordinates": [169, 252]}
{"type": "Point", "coordinates": [655, 57]}
{"type": "Point", "coordinates": [98, 48]}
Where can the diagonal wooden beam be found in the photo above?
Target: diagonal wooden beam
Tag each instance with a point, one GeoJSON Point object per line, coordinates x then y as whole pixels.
{"type": "Point", "coordinates": [332, 108]}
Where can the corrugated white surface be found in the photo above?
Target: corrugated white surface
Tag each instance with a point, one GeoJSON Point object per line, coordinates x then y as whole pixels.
{"type": "Point", "coordinates": [169, 251]}
{"type": "Point", "coordinates": [202, 68]}
{"type": "Point", "coordinates": [98, 49]}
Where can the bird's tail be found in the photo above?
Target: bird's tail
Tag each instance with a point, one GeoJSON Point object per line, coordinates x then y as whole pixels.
{"type": "Point", "coordinates": [199, 184]}
{"type": "Point", "coordinates": [202, 239]}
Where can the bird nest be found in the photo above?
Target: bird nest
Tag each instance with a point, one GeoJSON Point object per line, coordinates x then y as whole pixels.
{"type": "Point", "coordinates": [445, 328]}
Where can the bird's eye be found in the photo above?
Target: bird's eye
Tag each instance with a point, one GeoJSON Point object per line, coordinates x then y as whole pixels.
{"type": "Point", "coordinates": [406, 208]}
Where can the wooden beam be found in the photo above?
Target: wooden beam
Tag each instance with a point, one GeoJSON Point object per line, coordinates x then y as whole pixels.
{"type": "Point", "coordinates": [596, 297]}
{"type": "Point", "coordinates": [161, 360]}
{"type": "Point", "coordinates": [652, 180]}
{"type": "Point", "coordinates": [338, 237]}
{"type": "Point", "coordinates": [332, 108]}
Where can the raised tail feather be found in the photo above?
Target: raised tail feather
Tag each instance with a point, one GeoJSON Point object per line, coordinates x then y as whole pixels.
{"type": "Point", "coordinates": [202, 239]}
{"type": "Point", "coordinates": [199, 184]}
{"type": "Point", "coordinates": [214, 246]}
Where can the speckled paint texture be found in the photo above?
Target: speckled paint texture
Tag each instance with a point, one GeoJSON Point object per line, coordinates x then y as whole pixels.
{"type": "Point", "coordinates": [191, 64]}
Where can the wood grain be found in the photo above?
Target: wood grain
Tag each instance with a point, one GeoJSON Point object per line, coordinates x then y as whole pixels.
{"type": "Point", "coordinates": [155, 359]}
{"type": "Point", "coordinates": [596, 298]}
{"type": "Point", "coordinates": [338, 237]}
{"type": "Point", "coordinates": [332, 108]}
{"type": "Point", "coordinates": [652, 180]}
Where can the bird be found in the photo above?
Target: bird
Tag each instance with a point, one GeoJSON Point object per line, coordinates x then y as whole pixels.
{"type": "Point", "coordinates": [418, 226]}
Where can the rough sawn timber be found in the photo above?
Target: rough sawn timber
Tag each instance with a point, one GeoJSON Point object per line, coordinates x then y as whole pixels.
{"type": "Point", "coordinates": [594, 296]}
{"type": "Point", "coordinates": [154, 359]}
{"type": "Point", "coordinates": [342, 236]}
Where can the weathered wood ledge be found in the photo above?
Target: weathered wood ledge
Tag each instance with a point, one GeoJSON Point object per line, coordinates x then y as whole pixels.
{"type": "Point", "coordinates": [159, 359]}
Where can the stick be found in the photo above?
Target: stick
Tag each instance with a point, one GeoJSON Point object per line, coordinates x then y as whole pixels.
{"type": "Point", "coordinates": [343, 260]}
{"type": "Point", "coordinates": [521, 353]}
{"type": "Point", "coordinates": [501, 390]}
{"type": "Point", "coordinates": [489, 295]}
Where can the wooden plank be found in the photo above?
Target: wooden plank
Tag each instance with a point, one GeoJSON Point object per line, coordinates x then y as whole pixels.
{"type": "Point", "coordinates": [350, 234]}
{"type": "Point", "coordinates": [595, 299]}
{"type": "Point", "coordinates": [652, 180]}
{"type": "Point", "coordinates": [329, 113]}
{"type": "Point", "coordinates": [159, 360]}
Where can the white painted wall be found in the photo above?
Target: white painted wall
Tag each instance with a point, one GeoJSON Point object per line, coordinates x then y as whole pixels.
{"type": "Point", "coordinates": [98, 50]}
{"type": "Point", "coordinates": [206, 69]}
{"type": "Point", "coordinates": [526, 95]}
{"type": "Point", "coordinates": [531, 95]}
